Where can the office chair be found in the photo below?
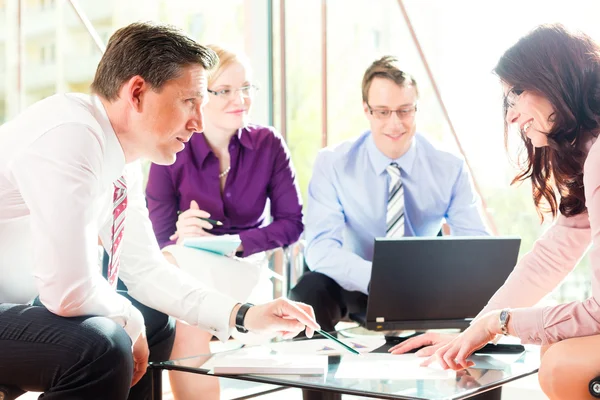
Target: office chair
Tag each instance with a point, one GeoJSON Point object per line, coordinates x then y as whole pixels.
{"type": "Point", "coordinates": [594, 387]}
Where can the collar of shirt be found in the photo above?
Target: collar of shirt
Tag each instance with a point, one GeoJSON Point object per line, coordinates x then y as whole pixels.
{"type": "Point", "coordinates": [114, 157]}
{"type": "Point", "coordinates": [203, 148]}
{"type": "Point", "coordinates": [380, 162]}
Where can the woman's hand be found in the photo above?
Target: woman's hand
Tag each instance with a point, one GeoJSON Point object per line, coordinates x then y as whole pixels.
{"type": "Point", "coordinates": [189, 224]}
{"type": "Point", "coordinates": [431, 340]}
{"type": "Point", "coordinates": [454, 354]}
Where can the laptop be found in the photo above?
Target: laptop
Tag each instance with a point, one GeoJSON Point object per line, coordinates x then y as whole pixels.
{"type": "Point", "coordinates": [420, 283]}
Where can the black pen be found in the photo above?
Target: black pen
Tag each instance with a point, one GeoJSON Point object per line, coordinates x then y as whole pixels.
{"type": "Point", "coordinates": [210, 221]}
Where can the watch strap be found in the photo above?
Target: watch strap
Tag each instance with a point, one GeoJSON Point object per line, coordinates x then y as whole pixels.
{"type": "Point", "coordinates": [241, 316]}
{"type": "Point", "coordinates": [504, 317]}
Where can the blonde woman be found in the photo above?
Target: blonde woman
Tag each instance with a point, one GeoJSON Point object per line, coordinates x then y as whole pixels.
{"type": "Point", "coordinates": [240, 175]}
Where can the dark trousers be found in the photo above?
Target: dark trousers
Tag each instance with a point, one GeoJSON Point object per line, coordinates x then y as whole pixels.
{"type": "Point", "coordinates": [76, 358]}
{"type": "Point", "coordinates": [332, 304]}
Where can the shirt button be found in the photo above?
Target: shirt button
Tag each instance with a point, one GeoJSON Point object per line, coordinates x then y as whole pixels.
{"type": "Point", "coordinates": [228, 194]}
{"type": "Point", "coordinates": [231, 146]}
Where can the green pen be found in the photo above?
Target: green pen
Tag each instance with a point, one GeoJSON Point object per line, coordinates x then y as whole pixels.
{"type": "Point", "coordinates": [210, 221]}
{"type": "Point", "coordinates": [328, 336]}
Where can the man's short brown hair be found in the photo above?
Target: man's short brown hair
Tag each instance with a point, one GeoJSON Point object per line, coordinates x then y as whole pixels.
{"type": "Point", "coordinates": [386, 67]}
{"type": "Point", "coordinates": [155, 52]}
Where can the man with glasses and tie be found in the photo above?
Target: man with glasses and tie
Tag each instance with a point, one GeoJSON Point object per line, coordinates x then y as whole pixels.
{"type": "Point", "coordinates": [68, 175]}
{"type": "Point", "coordinates": [389, 182]}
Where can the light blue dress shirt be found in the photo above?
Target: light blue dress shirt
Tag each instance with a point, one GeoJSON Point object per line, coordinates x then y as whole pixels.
{"type": "Point", "coordinates": [347, 204]}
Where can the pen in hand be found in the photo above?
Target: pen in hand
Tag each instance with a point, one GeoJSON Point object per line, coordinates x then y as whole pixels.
{"type": "Point", "coordinates": [210, 221]}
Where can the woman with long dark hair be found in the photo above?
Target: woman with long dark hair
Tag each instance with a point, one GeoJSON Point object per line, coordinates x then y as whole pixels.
{"type": "Point", "coordinates": [551, 81]}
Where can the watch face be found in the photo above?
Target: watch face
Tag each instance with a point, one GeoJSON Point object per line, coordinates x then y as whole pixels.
{"type": "Point", "coordinates": [504, 315]}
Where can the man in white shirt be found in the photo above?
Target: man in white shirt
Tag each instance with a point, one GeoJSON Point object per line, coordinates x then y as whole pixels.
{"type": "Point", "coordinates": [63, 184]}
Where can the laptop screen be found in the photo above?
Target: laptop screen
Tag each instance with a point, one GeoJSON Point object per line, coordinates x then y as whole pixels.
{"type": "Point", "coordinates": [426, 283]}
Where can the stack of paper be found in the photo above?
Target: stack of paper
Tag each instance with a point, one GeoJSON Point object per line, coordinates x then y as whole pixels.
{"type": "Point", "coordinates": [270, 365]}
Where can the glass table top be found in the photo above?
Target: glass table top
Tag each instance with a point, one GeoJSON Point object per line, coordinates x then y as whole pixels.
{"type": "Point", "coordinates": [367, 374]}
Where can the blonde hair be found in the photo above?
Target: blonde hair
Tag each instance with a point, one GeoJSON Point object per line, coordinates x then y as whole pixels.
{"type": "Point", "coordinates": [226, 58]}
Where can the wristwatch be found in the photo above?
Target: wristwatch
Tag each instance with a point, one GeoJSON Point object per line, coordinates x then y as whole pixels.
{"type": "Point", "coordinates": [504, 317]}
{"type": "Point", "coordinates": [240, 316]}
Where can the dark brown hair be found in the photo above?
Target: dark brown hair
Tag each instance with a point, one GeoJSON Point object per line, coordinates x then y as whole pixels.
{"type": "Point", "coordinates": [386, 67]}
{"type": "Point", "coordinates": [564, 68]}
{"type": "Point", "coordinates": [153, 51]}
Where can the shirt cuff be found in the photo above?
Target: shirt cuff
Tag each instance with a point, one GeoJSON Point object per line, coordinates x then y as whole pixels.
{"type": "Point", "coordinates": [361, 278]}
{"type": "Point", "coordinates": [167, 243]}
{"type": "Point", "coordinates": [250, 242]}
{"type": "Point", "coordinates": [134, 323]}
{"type": "Point", "coordinates": [215, 313]}
{"type": "Point", "coordinates": [528, 325]}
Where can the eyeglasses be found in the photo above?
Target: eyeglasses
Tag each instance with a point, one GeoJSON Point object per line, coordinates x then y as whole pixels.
{"type": "Point", "coordinates": [511, 98]}
{"type": "Point", "coordinates": [402, 113]}
{"type": "Point", "coordinates": [228, 94]}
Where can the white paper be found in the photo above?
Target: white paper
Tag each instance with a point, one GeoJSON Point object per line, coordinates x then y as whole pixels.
{"type": "Point", "coordinates": [388, 366]}
{"type": "Point", "coordinates": [327, 346]}
{"type": "Point", "coordinates": [269, 364]}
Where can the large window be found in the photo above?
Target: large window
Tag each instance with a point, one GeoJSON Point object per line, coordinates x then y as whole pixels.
{"type": "Point", "coordinates": [56, 53]}
{"type": "Point", "coordinates": [48, 50]}
{"type": "Point", "coordinates": [461, 52]}
{"type": "Point", "coordinates": [302, 84]}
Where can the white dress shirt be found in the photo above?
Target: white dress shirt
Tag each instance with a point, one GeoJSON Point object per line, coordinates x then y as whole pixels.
{"type": "Point", "coordinates": [58, 162]}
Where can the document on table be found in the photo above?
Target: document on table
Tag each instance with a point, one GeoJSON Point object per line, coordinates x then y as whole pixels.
{"type": "Point", "coordinates": [260, 360]}
{"type": "Point", "coordinates": [271, 365]}
{"type": "Point", "coordinates": [326, 346]}
{"type": "Point", "coordinates": [388, 366]}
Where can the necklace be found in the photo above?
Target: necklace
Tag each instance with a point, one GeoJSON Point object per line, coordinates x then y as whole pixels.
{"type": "Point", "coordinates": [224, 173]}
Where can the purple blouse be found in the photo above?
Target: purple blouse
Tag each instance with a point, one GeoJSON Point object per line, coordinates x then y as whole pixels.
{"type": "Point", "coordinates": [261, 179]}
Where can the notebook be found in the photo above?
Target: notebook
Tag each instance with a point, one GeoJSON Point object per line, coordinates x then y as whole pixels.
{"type": "Point", "coordinates": [271, 365]}
{"type": "Point", "coordinates": [223, 245]}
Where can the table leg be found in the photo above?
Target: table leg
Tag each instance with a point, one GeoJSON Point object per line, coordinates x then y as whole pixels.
{"type": "Point", "coordinates": [495, 394]}
{"type": "Point", "coordinates": [318, 395]}
{"type": "Point", "coordinates": [156, 383]}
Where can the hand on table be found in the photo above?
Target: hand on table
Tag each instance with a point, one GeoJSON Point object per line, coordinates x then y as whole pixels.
{"type": "Point", "coordinates": [431, 340]}
{"type": "Point", "coordinates": [453, 355]}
